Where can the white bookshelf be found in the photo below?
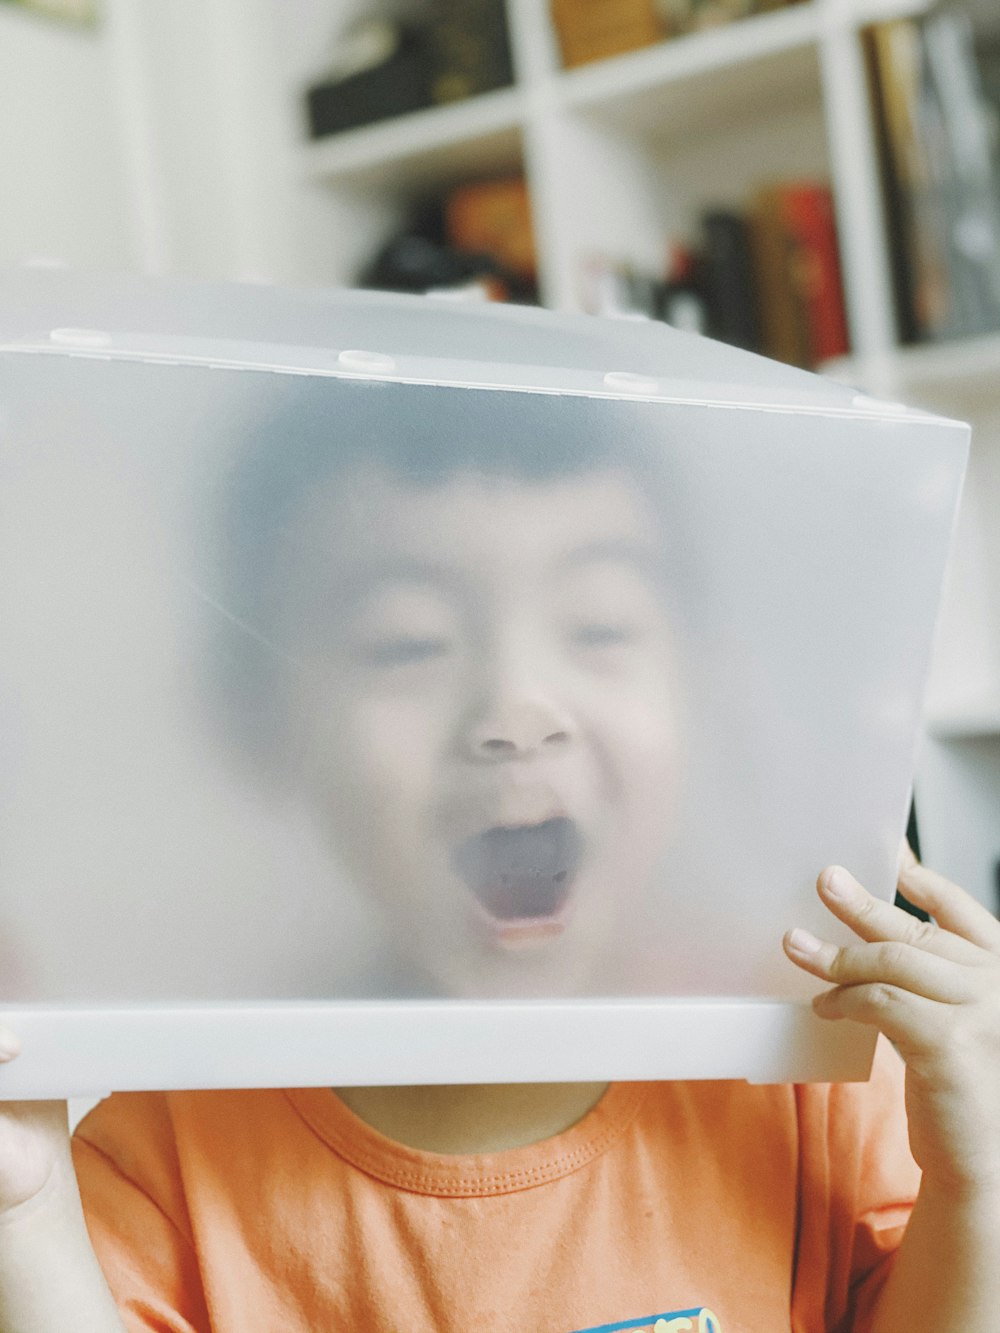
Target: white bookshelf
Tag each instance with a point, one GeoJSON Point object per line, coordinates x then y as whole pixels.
{"type": "Point", "coordinates": [622, 154]}
{"type": "Point", "coordinates": [619, 156]}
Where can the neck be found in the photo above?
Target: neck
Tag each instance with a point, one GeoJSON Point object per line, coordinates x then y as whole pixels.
{"type": "Point", "coordinates": [473, 1118]}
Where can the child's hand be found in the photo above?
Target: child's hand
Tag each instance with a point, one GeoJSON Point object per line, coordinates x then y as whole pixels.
{"type": "Point", "coordinates": [34, 1143]}
{"type": "Point", "coordinates": [934, 990]}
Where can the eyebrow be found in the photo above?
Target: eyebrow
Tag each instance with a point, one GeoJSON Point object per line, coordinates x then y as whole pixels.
{"type": "Point", "coordinates": [358, 582]}
{"type": "Point", "coordinates": [639, 554]}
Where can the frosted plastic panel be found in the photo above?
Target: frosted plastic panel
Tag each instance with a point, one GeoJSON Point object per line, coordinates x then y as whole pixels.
{"type": "Point", "coordinates": [434, 732]}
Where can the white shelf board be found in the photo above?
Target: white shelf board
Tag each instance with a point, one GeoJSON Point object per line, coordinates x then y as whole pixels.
{"type": "Point", "coordinates": [424, 149]}
{"type": "Point", "coordinates": [859, 13]}
{"type": "Point", "coordinates": [966, 368]}
{"type": "Point", "coordinates": [671, 89]}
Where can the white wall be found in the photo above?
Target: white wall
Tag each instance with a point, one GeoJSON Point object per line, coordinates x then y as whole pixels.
{"type": "Point", "coordinates": [62, 188]}
{"type": "Point", "coordinates": [165, 139]}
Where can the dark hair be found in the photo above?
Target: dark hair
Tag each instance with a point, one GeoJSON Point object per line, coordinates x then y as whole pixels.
{"type": "Point", "coordinates": [319, 429]}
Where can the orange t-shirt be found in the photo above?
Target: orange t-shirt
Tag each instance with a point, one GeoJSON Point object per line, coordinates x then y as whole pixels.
{"type": "Point", "coordinates": [737, 1209]}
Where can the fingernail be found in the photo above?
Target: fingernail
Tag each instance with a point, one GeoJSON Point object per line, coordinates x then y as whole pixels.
{"type": "Point", "coordinates": [802, 942]}
{"type": "Point", "coordinates": [838, 883]}
{"type": "Point", "coordinates": [9, 1045]}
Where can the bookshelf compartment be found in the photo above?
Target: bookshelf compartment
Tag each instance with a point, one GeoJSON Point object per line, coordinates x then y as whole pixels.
{"type": "Point", "coordinates": [424, 151]}
{"type": "Point", "coordinates": [704, 82]}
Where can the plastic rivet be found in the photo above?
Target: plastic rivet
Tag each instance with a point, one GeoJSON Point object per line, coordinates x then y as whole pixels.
{"type": "Point", "coordinates": [80, 337]}
{"type": "Point", "coordinates": [377, 362]}
{"type": "Point", "coordinates": [630, 383]}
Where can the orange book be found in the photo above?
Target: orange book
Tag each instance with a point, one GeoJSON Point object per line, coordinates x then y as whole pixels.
{"type": "Point", "coordinates": [494, 217]}
{"type": "Point", "coordinates": [596, 29]}
{"type": "Point", "coordinates": [811, 225]}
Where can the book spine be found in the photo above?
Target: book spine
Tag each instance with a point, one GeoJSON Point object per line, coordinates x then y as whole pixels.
{"type": "Point", "coordinates": [784, 330]}
{"type": "Point", "coordinates": [889, 59]}
{"type": "Point", "coordinates": [729, 282]}
{"type": "Point", "coordinates": [815, 268]}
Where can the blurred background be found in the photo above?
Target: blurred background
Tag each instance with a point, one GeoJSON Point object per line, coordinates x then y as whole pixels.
{"type": "Point", "coordinates": [818, 181]}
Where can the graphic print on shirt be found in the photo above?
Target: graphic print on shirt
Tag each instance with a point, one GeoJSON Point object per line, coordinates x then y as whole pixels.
{"type": "Point", "coordinates": [699, 1320]}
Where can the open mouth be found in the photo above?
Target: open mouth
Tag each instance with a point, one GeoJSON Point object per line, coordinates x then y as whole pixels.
{"type": "Point", "coordinates": [522, 878]}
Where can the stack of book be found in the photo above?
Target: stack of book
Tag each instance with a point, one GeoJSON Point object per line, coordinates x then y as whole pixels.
{"type": "Point", "coordinates": [596, 29]}
{"type": "Point", "coordinates": [766, 278]}
{"type": "Point", "coordinates": [938, 146]}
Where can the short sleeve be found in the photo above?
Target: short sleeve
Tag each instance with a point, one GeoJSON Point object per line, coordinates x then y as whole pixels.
{"type": "Point", "coordinates": [126, 1166]}
{"type": "Point", "coordinates": [857, 1185]}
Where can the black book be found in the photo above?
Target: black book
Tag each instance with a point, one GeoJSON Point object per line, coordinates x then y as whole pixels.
{"type": "Point", "coordinates": [397, 81]}
{"type": "Point", "coordinates": [729, 281]}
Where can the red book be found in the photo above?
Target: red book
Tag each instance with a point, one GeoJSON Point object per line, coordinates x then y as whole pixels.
{"type": "Point", "coordinates": [811, 229]}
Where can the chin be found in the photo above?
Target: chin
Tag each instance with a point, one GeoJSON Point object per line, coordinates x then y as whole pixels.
{"type": "Point", "coordinates": [529, 971]}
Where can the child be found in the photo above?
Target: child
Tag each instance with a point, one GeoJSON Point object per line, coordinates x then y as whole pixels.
{"type": "Point", "coordinates": [474, 692]}
{"type": "Point", "coordinates": [472, 636]}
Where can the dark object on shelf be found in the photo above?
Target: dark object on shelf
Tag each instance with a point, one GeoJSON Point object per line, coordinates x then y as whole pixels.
{"type": "Point", "coordinates": [596, 29]}
{"type": "Point", "coordinates": [729, 282]}
{"type": "Point", "coordinates": [422, 258]}
{"type": "Point", "coordinates": [468, 48]}
{"type": "Point", "coordinates": [987, 47]}
{"type": "Point", "coordinates": [398, 82]}
{"type": "Point", "coordinates": [941, 176]}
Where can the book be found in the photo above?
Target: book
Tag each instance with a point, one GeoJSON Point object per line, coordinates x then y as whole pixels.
{"type": "Point", "coordinates": [383, 70]}
{"type": "Point", "coordinates": [596, 29]}
{"type": "Point", "coordinates": [797, 265]}
{"type": "Point", "coordinates": [784, 335]}
{"type": "Point", "coordinates": [493, 217]}
{"type": "Point", "coordinates": [940, 175]}
{"type": "Point", "coordinates": [728, 280]}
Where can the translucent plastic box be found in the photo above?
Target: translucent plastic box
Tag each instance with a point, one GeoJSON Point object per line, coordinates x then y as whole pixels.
{"type": "Point", "coordinates": [396, 691]}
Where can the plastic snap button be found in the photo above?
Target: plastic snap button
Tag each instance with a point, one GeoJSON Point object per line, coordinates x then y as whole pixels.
{"type": "Point", "coordinates": [377, 362]}
{"type": "Point", "coordinates": [630, 383]}
{"type": "Point", "coordinates": [80, 337]}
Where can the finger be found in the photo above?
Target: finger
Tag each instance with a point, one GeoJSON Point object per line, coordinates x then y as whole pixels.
{"type": "Point", "coordinates": [907, 856]}
{"type": "Point", "coordinates": [951, 907]}
{"type": "Point", "coordinates": [887, 962]}
{"type": "Point", "coordinates": [912, 1022]}
{"type": "Point", "coordinates": [9, 1045]}
{"type": "Point", "coordinates": [873, 919]}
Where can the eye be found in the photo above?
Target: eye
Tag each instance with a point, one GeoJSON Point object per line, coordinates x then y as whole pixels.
{"type": "Point", "coordinates": [403, 651]}
{"type": "Point", "coordinates": [599, 634]}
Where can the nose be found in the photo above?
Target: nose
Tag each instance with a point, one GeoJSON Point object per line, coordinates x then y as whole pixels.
{"type": "Point", "coordinates": [517, 729]}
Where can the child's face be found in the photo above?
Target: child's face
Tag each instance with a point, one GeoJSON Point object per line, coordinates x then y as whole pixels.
{"type": "Point", "coordinates": [484, 715]}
